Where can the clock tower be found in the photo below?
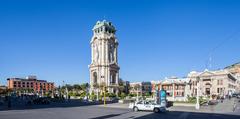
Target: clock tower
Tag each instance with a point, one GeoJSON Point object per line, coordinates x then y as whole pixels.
{"type": "Point", "coordinates": [104, 69]}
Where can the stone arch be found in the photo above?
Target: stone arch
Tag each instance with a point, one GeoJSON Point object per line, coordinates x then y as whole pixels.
{"type": "Point", "coordinates": [113, 78]}
{"type": "Point", "coordinates": [94, 77]}
{"type": "Point", "coordinates": [207, 88]}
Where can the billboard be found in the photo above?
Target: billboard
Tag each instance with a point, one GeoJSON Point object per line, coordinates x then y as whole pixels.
{"type": "Point", "coordinates": [162, 97]}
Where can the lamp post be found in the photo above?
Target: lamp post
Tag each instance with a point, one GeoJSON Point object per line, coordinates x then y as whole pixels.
{"type": "Point", "coordinates": [156, 94]}
{"type": "Point", "coordinates": [137, 93]}
{"type": "Point", "coordinates": [66, 90]}
{"type": "Point", "coordinates": [104, 101]}
{"type": "Point", "coordinates": [197, 103]}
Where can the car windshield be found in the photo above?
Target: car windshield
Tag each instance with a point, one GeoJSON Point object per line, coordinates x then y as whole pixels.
{"type": "Point", "coordinates": [147, 103]}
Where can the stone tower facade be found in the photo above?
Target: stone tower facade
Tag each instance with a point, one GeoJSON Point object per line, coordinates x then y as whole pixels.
{"type": "Point", "coordinates": [104, 69]}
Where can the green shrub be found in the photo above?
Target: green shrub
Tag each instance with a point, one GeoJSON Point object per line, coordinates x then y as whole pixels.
{"type": "Point", "coordinates": [123, 95]}
{"type": "Point", "coordinates": [132, 95]}
{"type": "Point", "coordinates": [111, 95]}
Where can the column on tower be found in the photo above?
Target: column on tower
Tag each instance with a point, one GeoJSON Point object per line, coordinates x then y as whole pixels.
{"type": "Point", "coordinates": [92, 53]}
{"type": "Point", "coordinates": [102, 51]}
{"type": "Point", "coordinates": [107, 51]}
{"type": "Point", "coordinates": [108, 76]}
{"type": "Point", "coordinates": [115, 52]}
{"type": "Point", "coordinates": [117, 78]}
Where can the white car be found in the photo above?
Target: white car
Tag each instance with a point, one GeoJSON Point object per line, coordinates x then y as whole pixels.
{"type": "Point", "coordinates": [147, 106]}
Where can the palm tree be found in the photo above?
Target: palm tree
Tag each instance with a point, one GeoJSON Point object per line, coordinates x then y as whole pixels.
{"type": "Point", "coordinates": [84, 87]}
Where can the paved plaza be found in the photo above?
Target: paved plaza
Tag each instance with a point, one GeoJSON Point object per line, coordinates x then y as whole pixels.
{"type": "Point", "coordinates": [78, 110]}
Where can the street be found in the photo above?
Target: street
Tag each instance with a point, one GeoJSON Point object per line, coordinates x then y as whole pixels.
{"type": "Point", "coordinates": [118, 112]}
{"type": "Point", "coordinates": [95, 112]}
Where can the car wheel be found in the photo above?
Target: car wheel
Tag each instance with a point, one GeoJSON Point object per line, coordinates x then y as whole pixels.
{"type": "Point", "coordinates": [135, 109]}
{"type": "Point", "coordinates": [156, 110]}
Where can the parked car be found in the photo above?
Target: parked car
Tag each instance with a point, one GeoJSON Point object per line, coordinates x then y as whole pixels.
{"type": "Point", "coordinates": [147, 106]}
{"type": "Point", "coordinates": [234, 95]}
{"type": "Point", "coordinates": [212, 102]}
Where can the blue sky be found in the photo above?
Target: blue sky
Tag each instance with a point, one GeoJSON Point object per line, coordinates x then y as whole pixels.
{"type": "Point", "coordinates": [157, 39]}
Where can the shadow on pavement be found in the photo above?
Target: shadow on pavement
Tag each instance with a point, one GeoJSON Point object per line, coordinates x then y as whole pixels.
{"type": "Point", "coordinates": [188, 115]}
{"type": "Point", "coordinates": [70, 103]}
{"type": "Point", "coordinates": [106, 116]}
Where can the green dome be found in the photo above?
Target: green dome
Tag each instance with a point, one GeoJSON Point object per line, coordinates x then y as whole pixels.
{"type": "Point", "coordinates": [104, 25]}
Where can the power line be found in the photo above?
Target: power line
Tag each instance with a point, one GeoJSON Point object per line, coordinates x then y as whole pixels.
{"type": "Point", "coordinates": [231, 37]}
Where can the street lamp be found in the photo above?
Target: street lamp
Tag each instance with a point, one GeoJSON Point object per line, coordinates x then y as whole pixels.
{"type": "Point", "coordinates": [197, 103]}
{"type": "Point", "coordinates": [104, 99]}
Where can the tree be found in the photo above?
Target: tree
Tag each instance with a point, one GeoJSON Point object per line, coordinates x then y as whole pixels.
{"type": "Point", "coordinates": [84, 86]}
{"type": "Point", "coordinates": [123, 95]}
{"type": "Point", "coordinates": [77, 87]}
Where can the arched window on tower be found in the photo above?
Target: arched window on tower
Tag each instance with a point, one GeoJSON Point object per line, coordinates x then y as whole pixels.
{"type": "Point", "coordinates": [113, 78]}
{"type": "Point", "coordinates": [106, 30]}
{"type": "Point", "coordinates": [95, 77]}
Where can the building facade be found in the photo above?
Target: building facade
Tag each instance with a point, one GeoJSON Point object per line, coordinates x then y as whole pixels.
{"type": "Point", "coordinates": [142, 88]}
{"type": "Point", "coordinates": [213, 83]}
{"type": "Point", "coordinates": [30, 84]}
{"type": "Point", "coordinates": [176, 88]}
{"type": "Point", "coordinates": [235, 70]}
{"type": "Point", "coordinates": [104, 68]}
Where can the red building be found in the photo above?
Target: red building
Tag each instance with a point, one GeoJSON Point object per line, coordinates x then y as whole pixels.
{"type": "Point", "coordinates": [31, 84]}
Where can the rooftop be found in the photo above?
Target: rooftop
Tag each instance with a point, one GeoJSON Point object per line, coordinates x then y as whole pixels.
{"type": "Point", "coordinates": [105, 24]}
{"type": "Point", "coordinates": [233, 65]}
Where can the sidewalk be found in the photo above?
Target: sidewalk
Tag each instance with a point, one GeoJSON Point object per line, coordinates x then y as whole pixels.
{"type": "Point", "coordinates": [225, 107]}
{"type": "Point", "coordinates": [115, 105]}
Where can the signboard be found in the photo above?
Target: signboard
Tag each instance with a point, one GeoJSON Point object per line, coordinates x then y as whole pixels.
{"type": "Point", "coordinates": [162, 97]}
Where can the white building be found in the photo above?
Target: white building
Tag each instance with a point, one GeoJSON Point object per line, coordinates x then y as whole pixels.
{"type": "Point", "coordinates": [213, 83]}
{"type": "Point", "coordinates": [104, 68]}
